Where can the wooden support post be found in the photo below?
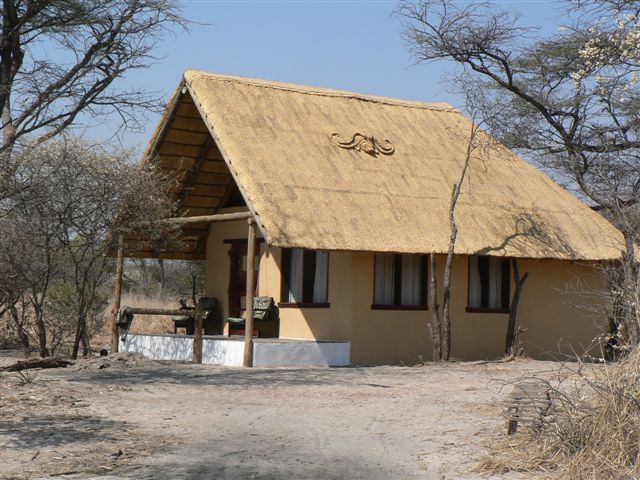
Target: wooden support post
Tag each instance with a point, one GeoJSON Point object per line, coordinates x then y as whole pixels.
{"type": "Point", "coordinates": [117, 294]}
{"type": "Point", "coordinates": [197, 333]}
{"type": "Point", "coordinates": [248, 315]}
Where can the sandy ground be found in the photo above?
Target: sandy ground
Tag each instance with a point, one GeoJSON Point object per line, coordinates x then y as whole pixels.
{"type": "Point", "coordinates": [129, 417]}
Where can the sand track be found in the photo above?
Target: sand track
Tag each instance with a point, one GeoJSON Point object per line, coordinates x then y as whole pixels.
{"type": "Point", "coordinates": [136, 418]}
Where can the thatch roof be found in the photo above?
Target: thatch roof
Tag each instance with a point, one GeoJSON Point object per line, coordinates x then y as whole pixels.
{"type": "Point", "coordinates": [280, 143]}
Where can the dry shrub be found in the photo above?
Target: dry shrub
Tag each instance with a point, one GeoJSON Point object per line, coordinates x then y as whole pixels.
{"type": "Point", "coordinates": [594, 431]}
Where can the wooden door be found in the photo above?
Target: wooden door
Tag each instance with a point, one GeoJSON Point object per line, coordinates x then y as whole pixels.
{"type": "Point", "coordinates": [238, 276]}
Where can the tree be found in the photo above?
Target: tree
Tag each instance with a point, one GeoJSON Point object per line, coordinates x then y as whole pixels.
{"type": "Point", "coordinates": [512, 332]}
{"type": "Point", "coordinates": [60, 63]}
{"type": "Point", "coordinates": [440, 327]}
{"type": "Point", "coordinates": [57, 229]}
{"type": "Point", "coordinates": [61, 59]}
{"type": "Point", "coordinates": [570, 102]}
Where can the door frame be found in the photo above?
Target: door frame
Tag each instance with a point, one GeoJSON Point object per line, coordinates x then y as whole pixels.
{"type": "Point", "coordinates": [233, 291]}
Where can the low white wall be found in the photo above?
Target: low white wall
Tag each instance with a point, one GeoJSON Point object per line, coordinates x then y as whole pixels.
{"type": "Point", "coordinates": [160, 347]}
{"type": "Point", "coordinates": [227, 351]}
{"type": "Point", "coordinates": [230, 351]}
{"type": "Point", "coordinates": [291, 353]}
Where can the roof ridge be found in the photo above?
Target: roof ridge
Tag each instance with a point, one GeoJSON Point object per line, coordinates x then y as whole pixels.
{"type": "Point", "coordinates": [321, 91]}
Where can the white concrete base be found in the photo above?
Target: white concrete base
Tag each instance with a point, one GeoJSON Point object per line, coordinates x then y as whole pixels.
{"type": "Point", "coordinates": [160, 347]}
{"type": "Point", "coordinates": [229, 351]}
{"type": "Point", "coordinates": [221, 351]}
{"type": "Point", "coordinates": [300, 353]}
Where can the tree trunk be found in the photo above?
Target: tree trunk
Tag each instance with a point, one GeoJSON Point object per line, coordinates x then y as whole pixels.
{"type": "Point", "coordinates": [80, 326]}
{"type": "Point", "coordinates": [22, 334]}
{"type": "Point", "coordinates": [51, 362]}
{"type": "Point", "coordinates": [194, 281]}
{"type": "Point", "coordinates": [162, 274]}
{"type": "Point", "coordinates": [630, 320]}
{"type": "Point", "coordinates": [41, 331]}
{"type": "Point", "coordinates": [434, 327]}
{"type": "Point", "coordinates": [446, 302]}
{"type": "Point", "coordinates": [513, 311]}
{"type": "Point", "coordinates": [446, 284]}
{"type": "Point", "coordinates": [86, 342]}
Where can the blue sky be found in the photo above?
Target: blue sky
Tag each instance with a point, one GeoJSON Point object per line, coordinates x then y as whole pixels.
{"type": "Point", "coordinates": [351, 45]}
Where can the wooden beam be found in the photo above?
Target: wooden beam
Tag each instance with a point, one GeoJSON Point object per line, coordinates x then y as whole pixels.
{"type": "Point", "coordinates": [165, 255]}
{"type": "Point", "coordinates": [159, 311]}
{"type": "Point", "coordinates": [185, 138]}
{"type": "Point", "coordinates": [168, 118]}
{"type": "Point", "coordinates": [117, 294]}
{"type": "Point", "coordinates": [201, 247]}
{"type": "Point", "coordinates": [194, 127]}
{"type": "Point", "coordinates": [193, 171]}
{"type": "Point", "coordinates": [224, 155]}
{"type": "Point", "coordinates": [220, 217]}
{"type": "Point", "coordinates": [248, 322]}
{"type": "Point", "coordinates": [171, 150]}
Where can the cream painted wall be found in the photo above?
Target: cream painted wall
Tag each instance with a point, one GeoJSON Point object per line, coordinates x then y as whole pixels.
{"type": "Point", "coordinates": [334, 323]}
{"type": "Point", "coordinates": [217, 263]}
{"type": "Point", "coordinates": [396, 336]}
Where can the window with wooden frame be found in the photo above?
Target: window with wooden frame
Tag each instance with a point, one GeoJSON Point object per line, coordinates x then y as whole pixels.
{"type": "Point", "coordinates": [400, 281]}
{"type": "Point", "coordinates": [489, 284]}
{"type": "Point", "coordinates": [305, 278]}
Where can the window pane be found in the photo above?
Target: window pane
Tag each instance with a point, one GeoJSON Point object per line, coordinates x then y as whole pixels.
{"type": "Point", "coordinates": [495, 282]}
{"type": "Point", "coordinates": [384, 280]}
{"type": "Point", "coordinates": [489, 279]}
{"type": "Point", "coordinates": [295, 275]}
{"type": "Point", "coordinates": [506, 283]}
{"type": "Point", "coordinates": [475, 284]}
{"type": "Point", "coordinates": [320, 279]}
{"type": "Point", "coordinates": [411, 286]}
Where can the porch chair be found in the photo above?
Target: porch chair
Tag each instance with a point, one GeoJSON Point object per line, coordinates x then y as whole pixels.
{"type": "Point", "coordinates": [266, 319]}
{"type": "Point", "coordinates": [183, 321]}
{"type": "Point", "coordinates": [212, 320]}
{"type": "Point", "coordinates": [124, 321]}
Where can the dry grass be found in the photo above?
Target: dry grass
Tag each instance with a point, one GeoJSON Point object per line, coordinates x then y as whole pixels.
{"type": "Point", "coordinates": [141, 323]}
{"type": "Point", "coordinates": [594, 432]}
{"type": "Point", "coordinates": [151, 323]}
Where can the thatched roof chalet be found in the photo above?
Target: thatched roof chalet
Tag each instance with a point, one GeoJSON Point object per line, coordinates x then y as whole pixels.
{"type": "Point", "coordinates": [334, 170]}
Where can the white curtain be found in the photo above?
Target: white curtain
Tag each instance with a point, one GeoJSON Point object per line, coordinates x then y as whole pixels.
{"type": "Point", "coordinates": [320, 279]}
{"type": "Point", "coordinates": [495, 283]}
{"type": "Point", "coordinates": [295, 275]}
{"type": "Point", "coordinates": [384, 281]}
{"type": "Point", "coordinates": [475, 284]}
{"type": "Point", "coordinates": [411, 280]}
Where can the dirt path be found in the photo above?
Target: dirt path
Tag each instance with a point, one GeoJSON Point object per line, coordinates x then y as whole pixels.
{"type": "Point", "coordinates": [159, 420]}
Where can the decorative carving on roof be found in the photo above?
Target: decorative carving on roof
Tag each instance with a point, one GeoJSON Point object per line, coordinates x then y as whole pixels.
{"type": "Point", "coordinates": [364, 143]}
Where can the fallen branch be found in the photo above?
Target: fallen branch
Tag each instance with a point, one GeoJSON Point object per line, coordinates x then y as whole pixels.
{"type": "Point", "coordinates": [48, 362]}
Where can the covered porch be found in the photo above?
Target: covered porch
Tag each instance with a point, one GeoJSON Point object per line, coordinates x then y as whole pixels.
{"type": "Point", "coordinates": [242, 330]}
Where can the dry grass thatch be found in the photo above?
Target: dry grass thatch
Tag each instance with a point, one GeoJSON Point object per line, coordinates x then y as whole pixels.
{"type": "Point", "coordinates": [594, 432]}
{"type": "Point", "coordinates": [280, 144]}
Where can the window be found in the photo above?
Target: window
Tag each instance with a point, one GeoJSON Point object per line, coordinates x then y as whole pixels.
{"type": "Point", "coordinates": [489, 279]}
{"type": "Point", "coordinates": [400, 281]}
{"type": "Point", "coordinates": [304, 277]}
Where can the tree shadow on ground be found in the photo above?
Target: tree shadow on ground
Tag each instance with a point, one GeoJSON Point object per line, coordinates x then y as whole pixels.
{"type": "Point", "coordinates": [40, 431]}
{"type": "Point", "coordinates": [299, 464]}
{"type": "Point", "coordinates": [187, 374]}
